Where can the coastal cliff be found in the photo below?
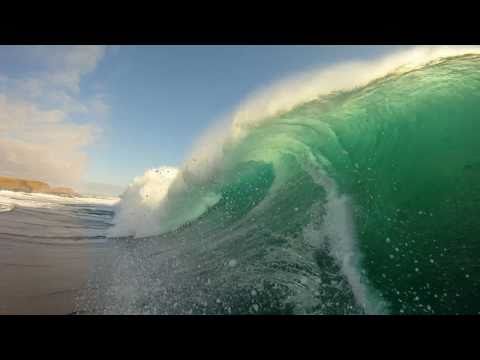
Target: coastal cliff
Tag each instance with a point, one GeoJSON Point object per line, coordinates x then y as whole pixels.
{"type": "Point", "coordinates": [33, 186]}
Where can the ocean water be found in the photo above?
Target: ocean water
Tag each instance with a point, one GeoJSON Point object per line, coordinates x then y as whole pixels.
{"type": "Point", "coordinates": [51, 218]}
{"type": "Point", "coordinates": [48, 245]}
{"type": "Point", "coordinates": [352, 191]}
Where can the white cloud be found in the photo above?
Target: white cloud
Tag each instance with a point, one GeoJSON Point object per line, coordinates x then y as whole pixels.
{"type": "Point", "coordinates": [64, 66]}
{"type": "Point", "coordinates": [39, 137]}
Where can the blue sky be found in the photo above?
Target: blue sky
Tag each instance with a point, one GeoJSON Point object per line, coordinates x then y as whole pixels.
{"type": "Point", "coordinates": [138, 107]}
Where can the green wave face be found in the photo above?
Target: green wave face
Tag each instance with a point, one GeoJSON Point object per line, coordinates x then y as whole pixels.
{"type": "Point", "coordinates": [406, 149]}
{"type": "Point", "coordinates": [364, 201]}
{"type": "Point", "coordinates": [414, 173]}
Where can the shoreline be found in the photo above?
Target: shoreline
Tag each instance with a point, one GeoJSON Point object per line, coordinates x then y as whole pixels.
{"type": "Point", "coordinates": [34, 186]}
{"type": "Point", "coordinates": [47, 252]}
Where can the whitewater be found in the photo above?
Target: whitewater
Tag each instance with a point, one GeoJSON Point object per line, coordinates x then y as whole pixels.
{"type": "Point", "coordinates": [348, 190]}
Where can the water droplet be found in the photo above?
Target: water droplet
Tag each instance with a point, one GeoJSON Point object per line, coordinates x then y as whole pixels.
{"type": "Point", "coordinates": [232, 263]}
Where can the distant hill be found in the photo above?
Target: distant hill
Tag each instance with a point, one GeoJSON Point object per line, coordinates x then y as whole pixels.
{"type": "Point", "coordinates": [33, 186]}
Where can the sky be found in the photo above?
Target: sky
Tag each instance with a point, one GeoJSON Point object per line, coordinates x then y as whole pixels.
{"type": "Point", "coordinates": [105, 114]}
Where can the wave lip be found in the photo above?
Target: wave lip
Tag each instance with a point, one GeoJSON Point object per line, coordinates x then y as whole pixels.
{"type": "Point", "coordinates": [285, 95]}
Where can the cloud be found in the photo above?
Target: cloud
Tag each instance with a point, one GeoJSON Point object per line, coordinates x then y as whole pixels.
{"type": "Point", "coordinates": [45, 122]}
{"type": "Point", "coordinates": [60, 66]}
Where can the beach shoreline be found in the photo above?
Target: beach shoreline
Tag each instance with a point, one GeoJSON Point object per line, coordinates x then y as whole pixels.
{"type": "Point", "coordinates": [48, 246]}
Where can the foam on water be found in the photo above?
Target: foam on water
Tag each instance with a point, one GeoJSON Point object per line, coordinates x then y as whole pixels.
{"type": "Point", "coordinates": [6, 207]}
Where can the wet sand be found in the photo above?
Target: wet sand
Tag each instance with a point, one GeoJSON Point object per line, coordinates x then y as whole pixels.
{"type": "Point", "coordinates": [38, 278]}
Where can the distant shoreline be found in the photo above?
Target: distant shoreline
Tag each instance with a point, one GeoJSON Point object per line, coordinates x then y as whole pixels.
{"type": "Point", "coordinates": [34, 186]}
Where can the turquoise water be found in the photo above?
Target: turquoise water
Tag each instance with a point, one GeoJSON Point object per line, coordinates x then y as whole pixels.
{"type": "Point", "coordinates": [362, 201]}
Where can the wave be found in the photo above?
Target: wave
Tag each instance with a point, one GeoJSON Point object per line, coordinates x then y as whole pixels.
{"type": "Point", "coordinates": [349, 190]}
{"type": "Point", "coordinates": [265, 105]}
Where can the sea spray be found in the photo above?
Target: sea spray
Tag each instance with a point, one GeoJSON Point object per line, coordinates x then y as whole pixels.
{"type": "Point", "coordinates": [139, 204]}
